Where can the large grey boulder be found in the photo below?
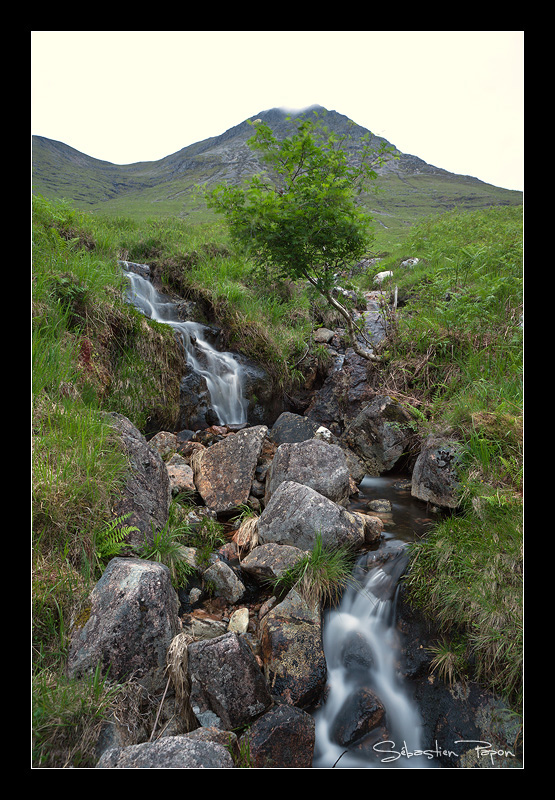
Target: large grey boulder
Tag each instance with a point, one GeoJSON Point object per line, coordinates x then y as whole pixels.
{"type": "Point", "coordinates": [267, 561]}
{"type": "Point", "coordinates": [297, 514]}
{"type": "Point", "coordinates": [224, 472]}
{"type": "Point", "coordinates": [146, 496]}
{"type": "Point", "coordinates": [291, 427]}
{"type": "Point", "coordinates": [434, 477]}
{"type": "Point", "coordinates": [228, 689]}
{"type": "Point", "coordinates": [169, 752]}
{"type": "Point", "coordinates": [313, 463]}
{"type": "Point", "coordinates": [132, 620]}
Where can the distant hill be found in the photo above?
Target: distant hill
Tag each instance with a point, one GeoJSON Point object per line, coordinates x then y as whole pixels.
{"type": "Point", "coordinates": [408, 187]}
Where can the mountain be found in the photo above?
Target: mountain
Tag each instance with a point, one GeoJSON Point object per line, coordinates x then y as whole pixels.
{"type": "Point", "coordinates": [408, 187]}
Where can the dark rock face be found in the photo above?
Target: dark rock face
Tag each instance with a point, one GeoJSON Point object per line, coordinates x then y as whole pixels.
{"type": "Point", "coordinates": [282, 738]}
{"type": "Point", "coordinates": [378, 434]}
{"type": "Point", "coordinates": [291, 642]}
{"type": "Point", "coordinates": [361, 713]}
{"type": "Point", "coordinates": [434, 478]}
{"type": "Point", "coordinates": [132, 620]}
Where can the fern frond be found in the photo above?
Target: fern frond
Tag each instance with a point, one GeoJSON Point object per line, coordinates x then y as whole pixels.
{"type": "Point", "coordinates": [111, 540]}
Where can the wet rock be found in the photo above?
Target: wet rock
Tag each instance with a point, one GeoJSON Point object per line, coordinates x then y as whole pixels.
{"type": "Point", "coordinates": [195, 405]}
{"type": "Point", "coordinates": [342, 395]}
{"type": "Point", "coordinates": [291, 427]}
{"type": "Point", "coordinates": [434, 477]}
{"type": "Point", "coordinates": [378, 434]}
{"type": "Point", "coordinates": [282, 738]}
{"type": "Point", "coordinates": [292, 651]}
{"type": "Point", "coordinates": [297, 514]}
{"type": "Point", "coordinates": [228, 689]}
{"type": "Point", "coordinates": [225, 471]}
{"type": "Point", "coordinates": [131, 622]}
{"type": "Point", "coordinates": [312, 463]}
{"type": "Point", "coordinates": [361, 713]}
{"type": "Point", "coordinates": [146, 496]}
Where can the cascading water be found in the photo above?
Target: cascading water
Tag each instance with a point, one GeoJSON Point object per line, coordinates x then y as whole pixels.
{"type": "Point", "coordinates": [221, 371]}
{"type": "Point", "coordinates": [362, 653]}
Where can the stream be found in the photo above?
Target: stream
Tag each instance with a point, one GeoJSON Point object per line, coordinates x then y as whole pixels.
{"type": "Point", "coordinates": [360, 637]}
{"type": "Point", "coordinates": [362, 648]}
{"type": "Point", "coordinates": [221, 371]}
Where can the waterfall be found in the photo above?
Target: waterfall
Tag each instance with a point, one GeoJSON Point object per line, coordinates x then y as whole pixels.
{"type": "Point", "coordinates": [367, 614]}
{"type": "Point", "coordinates": [221, 371]}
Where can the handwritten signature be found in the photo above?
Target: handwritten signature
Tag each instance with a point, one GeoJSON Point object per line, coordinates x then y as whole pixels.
{"type": "Point", "coordinates": [483, 749]}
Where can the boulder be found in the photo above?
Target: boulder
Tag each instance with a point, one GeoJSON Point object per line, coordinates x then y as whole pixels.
{"type": "Point", "coordinates": [268, 561]}
{"type": "Point", "coordinates": [132, 619]}
{"type": "Point", "coordinates": [282, 738]}
{"type": "Point", "coordinates": [225, 471]}
{"type": "Point", "coordinates": [169, 752]}
{"type": "Point", "coordinates": [297, 514]}
{"type": "Point", "coordinates": [313, 463]}
{"type": "Point", "coordinates": [224, 581]}
{"type": "Point", "coordinates": [228, 689]}
{"type": "Point", "coordinates": [342, 394]}
{"type": "Point", "coordinates": [361, 713]}
{"type": "Point", "coordinates": [380, 277]}
{"type": "Point", "coordinates": [146, 496]}
{"type": "Point", "coordinates": [165, 443]}
{"type": "Point", "coordinates": [195, 404]}
{"type": "Point", "coordinates": [378, 434]}
{"type": "Point", "coordinates": [434, 477]}
{"type": "Point", "coordinates": [323, 335]}
{"type": "Point", "coordinates": [292, 651]}
{"type": "Point", "coordinates": [180, 473]}
{"type": "Point", "coordinates": [291, 427]}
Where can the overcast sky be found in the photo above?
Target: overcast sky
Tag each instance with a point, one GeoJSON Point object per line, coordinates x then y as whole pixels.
{"type": "Point", "coordinates": [452, 98]}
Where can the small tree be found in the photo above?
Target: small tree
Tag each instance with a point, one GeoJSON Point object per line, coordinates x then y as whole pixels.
{"type": "Point", "coordinates": [300, 220]}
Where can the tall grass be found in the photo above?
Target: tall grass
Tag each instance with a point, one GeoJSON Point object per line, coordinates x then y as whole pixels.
{"type": "Point", "coordinates": [456, 353]}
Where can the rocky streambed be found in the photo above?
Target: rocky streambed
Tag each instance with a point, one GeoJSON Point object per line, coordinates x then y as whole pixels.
{"type": "Point", "coordinates": [238, 674]}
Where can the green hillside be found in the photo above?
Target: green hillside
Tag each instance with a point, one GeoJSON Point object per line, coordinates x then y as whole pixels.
{"type": "Point", "coordinates": [408, 189]}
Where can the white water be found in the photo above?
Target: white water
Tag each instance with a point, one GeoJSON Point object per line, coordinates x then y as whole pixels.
{"type": "Point", "coordinates": [222, 372]}
{"type": "Point", "coordinates": [369, 610]}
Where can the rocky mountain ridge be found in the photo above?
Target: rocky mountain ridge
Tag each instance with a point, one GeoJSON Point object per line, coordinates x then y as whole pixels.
{"type": "Point", "coordinates": [408, 185]}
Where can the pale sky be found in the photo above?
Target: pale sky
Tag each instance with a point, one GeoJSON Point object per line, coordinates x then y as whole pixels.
{"type": "Point", "coordinates": [453, 98]}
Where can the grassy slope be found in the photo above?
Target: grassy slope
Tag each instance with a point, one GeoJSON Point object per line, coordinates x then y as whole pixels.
{"type": "Point", "coordinates": [456, 364]}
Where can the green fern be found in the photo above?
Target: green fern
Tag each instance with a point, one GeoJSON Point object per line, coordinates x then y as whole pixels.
{"type": "Point", "coordinates": [112, 539]}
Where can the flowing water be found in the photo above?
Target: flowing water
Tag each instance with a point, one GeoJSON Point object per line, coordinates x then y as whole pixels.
{"type": "Point", "coordinates": [362, 650]}
{"type": "Point", "coordinates": [221, 371]}
{"type": "Point", "coordinates": [360, 638]}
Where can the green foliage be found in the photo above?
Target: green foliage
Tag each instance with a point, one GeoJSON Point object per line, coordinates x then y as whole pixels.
{"type": "Point", "coordinates": [301, 221]}
{"type": "Point", "coordinates": [111, 539]}
{"type": "Point", "coordinates": [165, 547]}
{"type": "Point", "coordinates": [466, 574]}
{"type": "Point", "coordinates": [320, 576]}
{"type": "Point", "coordinates": [67, 716]}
